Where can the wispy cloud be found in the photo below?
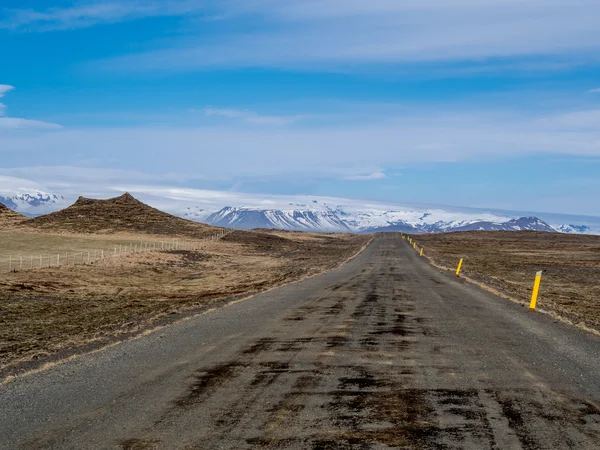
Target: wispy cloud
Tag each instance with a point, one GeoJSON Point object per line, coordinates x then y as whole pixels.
{"type": "Point", "coordinates": [10, 184]}
{"type": "Point", "coordinates": [77, 175]}
{"type": "Point", "coordinates": [341, 33]}
{"type": "Point", "coordinates": [89, 13]}
{"type": "Point", "coordinates": [594, 91]}
{"type": "Point", "coordinates": [367, 177]}
{"type": "Point", "coordinates": [4, 88]}
{"type": "Point", "coordinates": [367, 149]}
{"type": "Point", "coordinates": [13, 123]}
{"type": "Point", "coordinates": [251, 117]}
{"type": "Point", "coordinates": [577, 120]}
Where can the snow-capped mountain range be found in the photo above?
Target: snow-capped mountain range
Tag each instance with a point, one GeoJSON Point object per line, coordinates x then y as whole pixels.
{"type": "Point", "coordinates": [315, 217]}
{"type": "Point", "coordinates": [32, 202]}
{"type": "Point", "coordinates": [247, 211]}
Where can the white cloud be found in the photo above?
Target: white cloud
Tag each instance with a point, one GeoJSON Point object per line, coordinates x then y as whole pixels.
{"type": "Point", "coordinates": [90, 13]}
{"type": "Point", "coordinates": [594, 91]}
{"type": "Point", "coordinates": [10, 123]}
{"type": "Point", "coordinates": [251, 117]}
{"type": "Point", "coordinates": [76, 180]}
{"type": "Point", "coordinates": [10, 185]}
{"type": "Point", "coordinates": [578, 120]}
{"type": "Point", "coordinates": [367, 177]}
{"type": "Point", "coordinates": [13, 123]}
{"type": "Point", "coordinates": [342, 33]}
{"type": "Point", "coordinates": [4, 88]}
{"type": "Point", "coordinates": [360, 149]}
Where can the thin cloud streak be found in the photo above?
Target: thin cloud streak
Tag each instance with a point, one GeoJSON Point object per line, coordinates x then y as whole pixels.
{"type": "Point", "coordinates": [91, 13]}
{"type": "Point", "coordinates": [367, 177]}
{"type": "Point", "coordinates": [251, 117]}
{"type": "Point", "coordinates": [15, 123]}
{"type": "Point", "coordinates": [4, 88]}
{"type": "Point", "coordinates": [232, 151]}
{"type": "Point", "coordinates": [339, 34]}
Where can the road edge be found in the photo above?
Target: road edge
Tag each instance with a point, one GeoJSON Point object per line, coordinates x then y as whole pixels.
{"type": "Point", "coordinates": [494, 291]}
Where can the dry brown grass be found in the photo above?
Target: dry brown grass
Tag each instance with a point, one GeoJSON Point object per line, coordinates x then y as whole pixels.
{"type": "Point", "coordinates": [9, 218]}
{"type": "Point", "coordinates": [19, 242]}
{"type": "Point", "coordinates": [508, 261]}
{"type": "Point", "coordinates": [53, 312]}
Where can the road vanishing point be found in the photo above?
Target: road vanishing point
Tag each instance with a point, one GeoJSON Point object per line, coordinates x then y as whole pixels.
{"type": "Point", "coordinates": [384, 352]}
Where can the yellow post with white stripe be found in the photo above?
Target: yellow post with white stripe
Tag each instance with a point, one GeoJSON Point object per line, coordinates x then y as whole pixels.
{"type": "Point", "coordinates": [460, 263]}
{"type": "Point", "coordinates": [536, 290]}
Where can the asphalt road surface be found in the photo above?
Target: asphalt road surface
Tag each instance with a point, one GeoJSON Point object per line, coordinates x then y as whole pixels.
{"type": "Point", "coordinates": [385, 352]}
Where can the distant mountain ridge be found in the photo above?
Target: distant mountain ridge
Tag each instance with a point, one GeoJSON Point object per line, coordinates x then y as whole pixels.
{"type": "Point", "coordinates": [323, 214]}
{"type": "Point", "coordinates": [303, 220]}
{"type": "Point", "coordinates": [32, 202]}
{"type": "Point", "coordinates": [338, 219]}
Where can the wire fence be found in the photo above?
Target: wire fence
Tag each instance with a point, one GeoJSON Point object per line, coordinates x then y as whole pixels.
{"type": "Point", "coordinates": [39, 260]}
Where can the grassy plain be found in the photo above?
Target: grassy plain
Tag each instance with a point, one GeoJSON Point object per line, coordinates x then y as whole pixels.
{"type": "Point", "coordinates": [17, 243]}
{"type": "Point", "coordinates": [508, 262]}
{"type": "Point", "coordinates": [52, 312]}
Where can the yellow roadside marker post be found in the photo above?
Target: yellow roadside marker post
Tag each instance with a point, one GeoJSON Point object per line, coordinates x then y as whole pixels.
{"type": "Point", "coordinates": [460, 263]}
{"type": "Point", "coordinates": [421, 252]}
{"type": "Point", "coordinates": [536, 290]}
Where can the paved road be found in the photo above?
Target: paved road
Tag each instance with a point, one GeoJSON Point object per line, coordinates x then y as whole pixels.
{"type": "Point", "coordinates": [386, 352]}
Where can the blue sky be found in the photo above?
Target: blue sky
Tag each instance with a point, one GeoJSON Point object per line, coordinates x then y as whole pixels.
{"type": "Point", "coordinates": [483, 104]}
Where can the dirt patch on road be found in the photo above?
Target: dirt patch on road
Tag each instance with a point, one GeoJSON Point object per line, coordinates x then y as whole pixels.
{"type": "Point", "coordinates": [508, 262]}
{"type": "Point", "coordinates": [51, 312]}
